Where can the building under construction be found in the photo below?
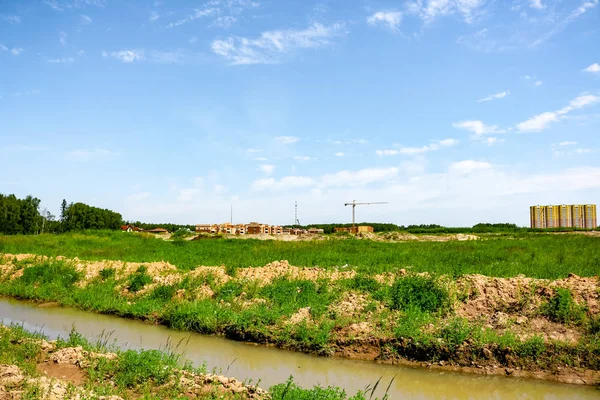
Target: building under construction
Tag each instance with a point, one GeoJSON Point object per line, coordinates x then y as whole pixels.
{"type": "Point", "coordinates": [582, 216]}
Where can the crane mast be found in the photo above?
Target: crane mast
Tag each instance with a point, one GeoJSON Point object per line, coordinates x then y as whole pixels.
{"type": "Point", "coordinates": [354, 204]}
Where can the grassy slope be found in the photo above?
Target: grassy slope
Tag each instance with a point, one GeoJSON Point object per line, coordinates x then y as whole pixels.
{"type": "Point", "coordinates": [534, 255]}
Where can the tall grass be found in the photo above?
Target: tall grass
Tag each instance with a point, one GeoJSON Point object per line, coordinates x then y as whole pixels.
{"type": "Point", "coordinates": [534, 255]}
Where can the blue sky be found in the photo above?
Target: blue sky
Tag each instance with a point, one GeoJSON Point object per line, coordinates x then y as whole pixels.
{"type": "Point", "coordinates": [453, 111]}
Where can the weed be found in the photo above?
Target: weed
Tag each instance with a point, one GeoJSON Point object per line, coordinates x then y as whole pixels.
{"type": "Point", "coordinates": [419, 292]}
{"type": "Point", "coordinates": [139, 279]}
{"type": "Point", "coordinates": [562, 308]}
{"type": "Point", "coordinates": [163, 293]}
{"type": "Point", "coordinates": [456, 332]}
{"type": "Point", "coordinates": [107, 273]}
{"type": "Point", "coordinates": [532, 347]}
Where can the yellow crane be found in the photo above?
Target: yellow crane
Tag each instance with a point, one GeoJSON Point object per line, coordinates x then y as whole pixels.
{"type": "Point", "coordinates": [354, 204]}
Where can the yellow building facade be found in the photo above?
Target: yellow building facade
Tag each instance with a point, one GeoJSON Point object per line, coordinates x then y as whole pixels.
{"type": "Point", "coordinates": [581, 216]}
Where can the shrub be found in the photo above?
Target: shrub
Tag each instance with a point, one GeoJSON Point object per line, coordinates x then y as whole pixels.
{"type": "Point", "coordinates": [139, 279]}
{"type": "Point", "coordinates": [229, 291]}
{"type": "Point", "coordinates": [419, 292]}
{"type": "Point", "coordinates": [562, 308]}
{"type": "Point", "coordinates": [164, 293]}
{"type": "Point", "coordinates": [594, 325]}
{"type": "Point", "coordinates": [409, 325]}
{"type": "Point", "coordinates": [107, 273]}
{"type": "Point", "coordinates": [137, 367]}
{"type": "Point", "coordinates": [456, 332]}
{"type": "Point", "coordinates": [363, 283]}
{"type": "Point", "coordinates": [532, 347]}
{"type": "Point", "coordinates": [291, 391]}
{"type": "Point", "coordinates": [51, 273]}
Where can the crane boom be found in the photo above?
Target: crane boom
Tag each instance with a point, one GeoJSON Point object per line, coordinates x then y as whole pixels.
{"type": "Point", "coordinates": [354, 204]}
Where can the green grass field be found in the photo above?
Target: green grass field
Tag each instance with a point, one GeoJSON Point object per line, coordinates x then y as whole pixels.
{"type": "Point", "coordinates": [533, 255]}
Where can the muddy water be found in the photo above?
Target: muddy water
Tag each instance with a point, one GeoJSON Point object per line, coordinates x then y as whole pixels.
{"type": "Point", "coordinates": [272, 366]}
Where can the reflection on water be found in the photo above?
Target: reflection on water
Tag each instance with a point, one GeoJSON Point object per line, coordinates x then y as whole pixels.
{"type": "Point", "coordinates": [271, 366]}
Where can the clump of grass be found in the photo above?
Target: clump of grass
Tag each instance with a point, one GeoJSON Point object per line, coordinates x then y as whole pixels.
{"type": "Point", "coordinates": [410, 324]}
{"type": "Point", "coordinates": [139, 279]}
{"type": "Point", "coordinates": [533, 347]}
{"type": "Point", "coordinates": [107, 273]}
{"type": "Point", "coordinates": [56, 273]}
{"type": "Point", "coordinates": [456, 332]}
{"type": "Point", "coordinates": [363, 283]}
{"type": "Point", "coordinates": [291, 391]}
{"type": "Point", "coordinates": [138, 367]}
{"type": "Point", "coordinates": [291, 295]}
{"type": "Point", "coordinates": [163, 293]}
{"type": "Point", "coordinates": [563, 309]}
{"type": "Point", "coordinates": [422, 293]}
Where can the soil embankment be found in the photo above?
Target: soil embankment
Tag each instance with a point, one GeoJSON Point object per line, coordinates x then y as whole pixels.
{"type": "Point", "coordinates": [547, 329]}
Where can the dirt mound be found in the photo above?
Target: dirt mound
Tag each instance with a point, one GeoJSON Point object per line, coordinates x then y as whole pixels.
{"type": "Point", "coordinates": [10, 375]}
{"type": "Point", "coordinates": [301, 315]}
{"type": "Point", "coordinates": [279, 269]}
{"type": "Point", "coordinates": [351, 305]}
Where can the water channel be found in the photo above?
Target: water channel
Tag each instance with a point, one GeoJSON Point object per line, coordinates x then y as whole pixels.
{"type": "Point", "coordinates": [245, 361]}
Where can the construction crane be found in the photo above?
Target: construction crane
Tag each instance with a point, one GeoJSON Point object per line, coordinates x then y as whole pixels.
{"type": "Point", "coordinates": [354, 204]}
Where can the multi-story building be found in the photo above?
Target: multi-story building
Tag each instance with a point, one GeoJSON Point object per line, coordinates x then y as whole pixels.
{"type": "Point", "coordinates": [581, 216]}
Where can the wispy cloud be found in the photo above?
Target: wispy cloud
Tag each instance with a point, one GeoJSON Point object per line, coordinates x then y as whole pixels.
{"type": "Point", "coordinates": [61, 5]}
{"type": "Point", "coordinates": [198, 13]}
{"type": "Point", "coordinates": [594, 68]}
{"type": "Point", "coordinates": [62, 38]}
{"type": "Point", "coordinates": [85, 19]}
{"type": "Point", "coordinates": [491, 97]}
{"type": "Point", "coordinates": [339, 154]}
{"type": "Point", "coordinates": [537, 83]}
{"type": "Point", "coordinates": [541, 121]}
{"type": "Point", "coordinates": [349, 141]}
{"type": "Point", "coordinates": [303, 158]}
{"type": "Point", "coordinates": [67, 60]}
{"type": "Point", "coordinates": [266, 168]}
{"type": "Point", "coordinates": [287, 139]}
{"type": "Point", "coordinates": [468, 166]}
{"type": "Point", "coordinates": [429, 10]}
{"type": "Point", "coordinates": [273, 46]}
{"type": "Point", "coordinates": [153, 56]}
{"type": "Point", "coordinates": [537, 4]}
{"type": "Point", "coordinates": [126, 56]}
{"type": "Point", "coordinates": [154, 16]}
{"type": "Point", "coordinates": [224, 12]}
{"type": "Point", "coordinates": [90, 155]}
{"type": "Point", "coordinates": [15, 51]}
{"type": "Point", "coordinates": [285, 183]}
{"type": "Point", "coordinates": [390, 19]}
{"type": "Point", "coordinates": [13, 19]}
{"type": "Point", "coordinates": [418, 150]}
{"type": "Point", "coordinates": [477, 127]}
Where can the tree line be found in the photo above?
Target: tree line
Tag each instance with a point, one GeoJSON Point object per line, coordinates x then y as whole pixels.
{"type": "Point", "coordinates": [23, 217]}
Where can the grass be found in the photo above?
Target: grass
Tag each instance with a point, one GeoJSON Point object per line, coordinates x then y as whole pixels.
{"type": "Point", "coordinates": [534, 255]}
{"type": "Point", "coordinates": [147, 374]}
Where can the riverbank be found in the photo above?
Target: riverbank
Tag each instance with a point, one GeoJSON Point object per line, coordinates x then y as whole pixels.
{"type": "Point", "coordinates": [546, 329]}
{"type": "Point", "coordinates": [32, 367]}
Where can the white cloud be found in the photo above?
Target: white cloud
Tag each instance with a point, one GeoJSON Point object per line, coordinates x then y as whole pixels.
{"type": "Point", "coordinates": [225, 21]}
{"type": "Point", "coordinates": [538, 83]}
{"type": "Point", "coordinates": [491, 140]}
{"type": "Point", "coordinates": [154, 16]}
{"type": "Point", "coordinates": [418, 150]}
{"type": "Point", "coordinates": [537, 4]}
{"type": "Point", "coordinates": [272, 46]}
{"type": "Point", "coordinates": [13, 19]}
{"type": "Point", "coordinates": [541, 121]}
{"type": "Point", "coordinates": [358, 178]}
{"type": "Point", "coordinates": [391, 19]}
{"type": "Point", "coordinates": [126, 56]}
{"type": "Point", "coordinates": [261, 159]}
{"type": "Point", "coordinates": [66, 60]}
{"type": "Point", "coordinates": [266, 168]}
{"type": "Point", "coordinates": [286, 183]}
{"type": "Point", "coordinates": [469, 166]}
{"type": "Point", "coordinates": [15, 51]}
{"type": "Point", "coordinates": [594, 68]}
{"type": "Point", "coordinates": [349, 141]}
{"type": "Point", "coordinates": [194, 16]}
{"type": "Point", "coordinates": [582, 151]}
{"type": "Point", "coordinates": [61, 5]}
{"type": "Point", "coordinates": [477, 127]}
{"type": "Point", "coordinates": [62, 38]}
{"type": "Point", "coordinates": [429, 10]}
{"type": "Point", "coordinates": [85, 19]}
{"type": "Point", "coordinates": [303, 158]}
{"type": "Point", "coordinates": [339, 154]}
{"type": "Point", "coordinates": [287, 139]}
{"type": "Point", "coordinates": [491, 97]}
{"type": "Point", "coordinates": [567, 143]}
{"type": "Point", "coordinates": [253, 150]}
{"type": "Point", "coordinates": [388, 152]}
{"type": "Point", "coordinates": [90, 155]}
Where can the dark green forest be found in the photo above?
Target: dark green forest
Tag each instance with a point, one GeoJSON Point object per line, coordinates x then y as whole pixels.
{"type": "Point", "coordinates": [23, 217]}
